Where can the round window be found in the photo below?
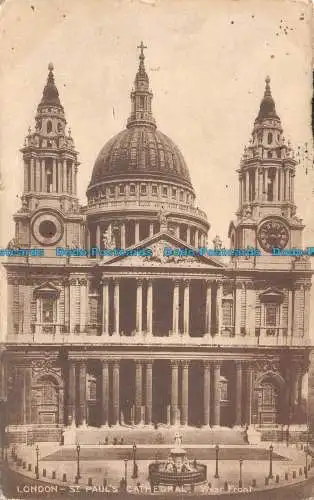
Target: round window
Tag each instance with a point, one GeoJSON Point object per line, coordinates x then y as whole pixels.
{"type": "Point", "coordinates": [47, 229]}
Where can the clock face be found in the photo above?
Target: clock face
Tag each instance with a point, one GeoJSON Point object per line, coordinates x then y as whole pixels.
{"type": "Point", "coordinates": [47, 229]}
{"type": "Point", "coordinates": [273, 234]}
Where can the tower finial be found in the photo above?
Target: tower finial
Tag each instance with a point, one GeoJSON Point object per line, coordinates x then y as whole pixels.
{"type": "Point", "coordinates": [50, 66]}
{"type": "Point", "coordinates": [267, 86]}
{"type": "Point", "coordinates": [141, 46]}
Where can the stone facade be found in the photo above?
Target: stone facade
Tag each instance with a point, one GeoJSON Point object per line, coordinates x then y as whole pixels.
{"type": "Point", "coordinates": [96, 340]}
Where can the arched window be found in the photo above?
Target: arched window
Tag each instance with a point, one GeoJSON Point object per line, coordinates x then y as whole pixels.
{"type": "Point", "coordinates": [269, 138]}
{"type": "Point", "coordinates": [269, 154]}
{"type": "Point", "coordinates": [49, 127]}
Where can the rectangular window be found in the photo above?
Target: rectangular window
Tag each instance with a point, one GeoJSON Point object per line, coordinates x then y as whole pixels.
{"type": "Point", "coordinates": [174, 193]}
{"type": "Point", "coordinates": [271, 311]}
{"type": "Point", "coordinates": [48, 310]}
{"type": "Point", "coordinates": [164, 191]}
{"type": "Point", "coordinates": [227, 312]}
{"type": "Point", "coordinates": [121, 189]}
{"type": "Point", "coordinates": [132, 189]}
{"type": "Point", "coordinates": [111, 191]}
{"type": "Point", "coordinates": [154, 190]}
{"type": "Point", "coordinates": [143, 189]}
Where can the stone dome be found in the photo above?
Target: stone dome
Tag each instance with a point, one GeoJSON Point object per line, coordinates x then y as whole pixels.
{"type": "Point", "coordinates": [140, 151]}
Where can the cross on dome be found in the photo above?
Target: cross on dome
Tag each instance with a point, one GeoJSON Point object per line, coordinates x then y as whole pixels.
{"type": "Point", "coordinates": [141, 46]}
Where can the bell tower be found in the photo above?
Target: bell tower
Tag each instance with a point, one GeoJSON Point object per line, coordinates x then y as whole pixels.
{"type": "Point", "coordinates": [266, 217]}
{"type": "Point", "coordinates": [49, 200]}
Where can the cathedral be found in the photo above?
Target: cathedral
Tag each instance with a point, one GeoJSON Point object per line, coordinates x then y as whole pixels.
{"type": "Point", "coordinates": [134, 337]}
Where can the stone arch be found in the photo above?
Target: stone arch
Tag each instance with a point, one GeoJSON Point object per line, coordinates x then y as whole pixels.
{"type": "Point", "coordinates": [270, 375]}
{"type": "Point", "coordinates": [269, 396]}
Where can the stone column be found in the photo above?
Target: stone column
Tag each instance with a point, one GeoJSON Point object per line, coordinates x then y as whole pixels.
{"type": "Point", "coordinates": [175, 308]}
{"type": "Point", "coordinates": [74, 174]}
{"type": "Point", "coordinates": [83, 304]}
{"type": "Point", "coordinates": [26, 176]}
{"type": "Point", "coordinates": [37, 175]}
{"type": "Point", "coordinates": [208, 311]}
{"type": "Point", "coordinates": [28, 395]}
{"type": "Point", "coordinates": [72, 393]}
{"type": "Point", "coordinates": [65, 185]}
{"type": "Point", "coordinates": [116, 392]}
{"type": "Point", "coordinates": [98, 235]}
{"type": "Point", "coordinates": [275, 187]}
{"type": "Point", "coordinates": [292, 187]}
{"type": "Point", "coordinates": [38, 310]}
{"type": "Point", "coordinates": [238, 395]}
{"type": "Point", "coordinates": [290, 312]}
{"type": "Point", "coordinates": [196, 238]}
{"type": "Point", "coordinates": [116, 307]}
{"type": "Point", "coordinates": [60, 179]}
{"type": "Point", "coordinates": [174, 390]}
{"type": "Point", "coordinates": [122, 228]}
{"type": "Point", "coordinates": [138, 390]}
{"type": "Point", "coordinates": [82, 393]}
{"type": "Point", "coordinates": [250, 308]}
{"type": "Point", "coordinates": [105, 306]}
{"type": "Point", "coordinates": [32, 175]}
{"type": "Point", "coordinates": [149, 392]}
{"type": "Point", "coordinates": [249, 395]}
{"type": "Point", "coordinates": [188, 235]}
{"type": "Point", "coordinates": [177, 231]}
{"type": "Point", "coordinates": [237, 303]}
{"type": "Point", "coordinates": [219, 307]}
{"type": "Point", "coordinates": [137, 232]}
{"type": "Point", "coordinates": [139, 306]}
{"type": "Point", "coordinates": [206, 393]}
{"type": "Point", "coordinates": [282, 183]}
{"type": "Point", "coordinates": [216, 402]}
{"type": "Point", "coordinates": [296, 307]}
{"type": "Point", "coordinates": [307, 303]}
{"type": "Point", "coordinates": [185, 392]}
{"type": "Point", "coordinates": [54, 175]}
{"type": "Point", "coordinates": [105, 392]}
{"type": "Point", "coordinates": [186, 307]}
{"type": "Point", "coordinates": [149, 306]}
{"type": "Point", "coordinates": [151, 229]}
{"type": "Point", "coordinates": [247, 186]}
{"type": "Point", "coordinates": [43, 187]}
{"type": "Point", "coordinates": [72, 308]}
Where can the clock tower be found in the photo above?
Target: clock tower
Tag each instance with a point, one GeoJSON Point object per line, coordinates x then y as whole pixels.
{"type": "Point", "coordinates": [49, 215]}
{"type": "Point", "coordinates": [266, 217]}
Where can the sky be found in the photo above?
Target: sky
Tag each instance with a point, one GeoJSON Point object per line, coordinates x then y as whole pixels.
{"type": "Point", "coordinates": [207, 61]}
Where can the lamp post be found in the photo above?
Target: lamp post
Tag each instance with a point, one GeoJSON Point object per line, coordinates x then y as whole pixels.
{"type": "Point", "coordinates": [126, 473]}
{"type": "Point", "coordinates": [135, 474]}
{"type": "Point", "coordinates": [78, 449]}
{"type": "Point", "coordinates": [240, 479]}
{"type": "Point", "coordinates": [217, 460]}
{"type": "Point", "coordinates": [37, 462]}
{"type": "Point", "coordinates": [271, 449]}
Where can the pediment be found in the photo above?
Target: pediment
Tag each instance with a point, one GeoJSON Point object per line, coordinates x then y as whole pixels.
{"type": "Point", "coordinates": [154, 254]}
{"type": "Point", "coordinates": [46, 288]}
{"type": "Point", "coordinates": [272, 294]}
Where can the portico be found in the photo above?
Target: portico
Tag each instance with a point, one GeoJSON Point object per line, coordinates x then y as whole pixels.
{"type": "Point", "coordinates": [199, 392]}
{"type": "Point", "coordinates": [160, 306]}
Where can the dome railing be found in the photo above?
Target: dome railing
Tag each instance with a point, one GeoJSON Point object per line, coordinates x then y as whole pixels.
{"type": "Point", "coordinates": [95, 205]}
